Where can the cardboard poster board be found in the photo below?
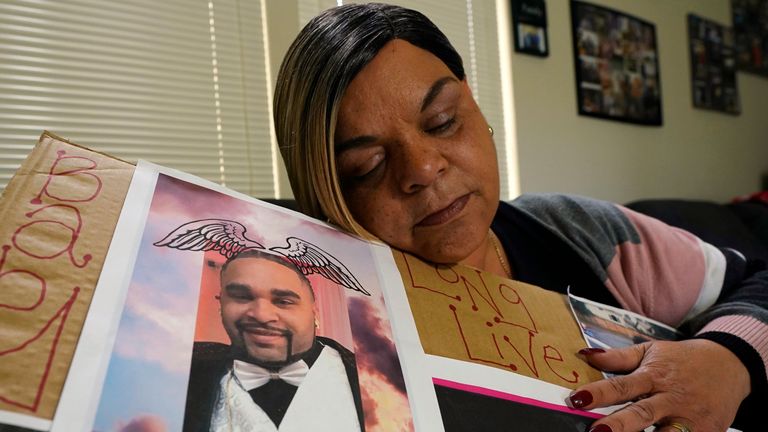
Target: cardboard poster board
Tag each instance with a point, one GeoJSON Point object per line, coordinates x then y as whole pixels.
{"type": "Point", "coordinates": [58, 213]}
{"type": "Point", "coordinates": [433, 344]}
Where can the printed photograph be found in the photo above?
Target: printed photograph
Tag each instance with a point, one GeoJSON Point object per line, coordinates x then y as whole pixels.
{"type": "Point", "coordinates": [713, 66]}
{"type": "Point", "coordinates": [529, 24]}
{"type": "Point", "coordinates": [750, 28]}
{"type": "Point", "coordinates": [608, 327]}
{"type": "Point", "coordinates": [241, 316]}
{"type": "Point", "coordinates": [616, 60]}
{"type": "Point", "coordinates": [532, 38]}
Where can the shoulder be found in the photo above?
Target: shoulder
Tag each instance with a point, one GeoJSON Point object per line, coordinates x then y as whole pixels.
{"type": "Point", "coordinates": [335, 345]}
{"type": "Point", "coordinates": [208, 357]}
{"type": "Point", "coordinates": [210, 361]}
{"type": "Point", "coordinates": [350, 365]}
{"type": "Point", "coordinates": [347, 356]}
{"type": "Point", "coordinates": [564, 205]}
{"type": "Point", "coordinates": [571, 215]}
{"type": "Point", "coordinates": [210, 351]}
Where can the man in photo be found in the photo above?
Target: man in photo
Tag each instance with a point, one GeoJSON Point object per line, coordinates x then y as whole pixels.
{"type": "Point", "coordinates": [277, 374]}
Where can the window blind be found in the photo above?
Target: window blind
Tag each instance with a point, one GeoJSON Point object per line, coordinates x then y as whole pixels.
{"type": "Point", "coordinates": [308, 9]}
{"type": "Point", "coordinates": [163, 81]}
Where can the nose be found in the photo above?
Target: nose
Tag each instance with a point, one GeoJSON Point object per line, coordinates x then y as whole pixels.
{"type": "Point", "coordinates": [262, 311]}
{"type": "Point", "coordinates": [421, 163]}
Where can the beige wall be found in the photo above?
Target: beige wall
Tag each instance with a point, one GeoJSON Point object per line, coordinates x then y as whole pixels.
{"type": "Point", "coordinates": [695, 154]}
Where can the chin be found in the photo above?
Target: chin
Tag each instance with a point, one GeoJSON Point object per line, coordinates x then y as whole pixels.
{"type": "Point", "coordinates": [267, 360]}
{"type": "Point", "coordinates": [454, 248]}
{"type": "Point", "coordinates": [261, 357]}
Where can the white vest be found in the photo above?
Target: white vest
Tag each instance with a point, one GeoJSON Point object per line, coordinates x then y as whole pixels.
{"type": "Point", "coordinates": [323, 401]}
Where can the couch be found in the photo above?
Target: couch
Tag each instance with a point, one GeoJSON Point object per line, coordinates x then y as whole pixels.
{"type": "Point", "coordinates": [742, 226]}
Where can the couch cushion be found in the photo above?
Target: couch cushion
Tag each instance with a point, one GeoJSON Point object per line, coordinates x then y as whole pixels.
{"type": "Point", "coordinates": [754, 215]}
{"type": "Point", "coordinates": [714, 223]}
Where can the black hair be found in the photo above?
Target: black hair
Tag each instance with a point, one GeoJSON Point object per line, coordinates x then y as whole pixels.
{"type": "Point", "coordinates": [285, 262]}
{"type": "Point", "coordinates": [317, 69]}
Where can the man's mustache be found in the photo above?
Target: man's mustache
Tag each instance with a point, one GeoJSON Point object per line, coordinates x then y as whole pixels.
{"type": "Point", "coordinates": [251, 326]}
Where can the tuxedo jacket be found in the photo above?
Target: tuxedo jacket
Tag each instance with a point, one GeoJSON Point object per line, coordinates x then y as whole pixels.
{"type": "Point", "coordinates": [211, 361]}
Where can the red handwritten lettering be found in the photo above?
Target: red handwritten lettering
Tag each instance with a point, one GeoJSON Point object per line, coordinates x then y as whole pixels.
{"type": "Point", "coordinates": [84, 179]}
{"type": "Point", "coordinates": [551, 353]}
{"type": "Point", "coordinates": [54, 231]}
{"type": "Point", "coordinates": [510, 322]}
{"type": "Point", "coordinates": [439, 273]}
{"type": "Point", "coordinates": [60, 314]}
{"type": "Point", "coordinates": [485, 294]}
{"type": "Point", "coordinates": [49, 233]}
{"type": "Point", "coordinates": [10, 273]}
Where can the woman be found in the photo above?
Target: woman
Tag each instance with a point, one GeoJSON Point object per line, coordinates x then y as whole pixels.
{"type": "Point", "coordinates": [382, 137]}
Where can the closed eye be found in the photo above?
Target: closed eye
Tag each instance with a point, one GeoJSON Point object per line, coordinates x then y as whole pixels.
{"type": "Point", "coordinates": [238, 292]}
{"type": "Point", "coordinates": [443, 127]}
{"type": "Point", "coordinates": [361, 164]}
{"type": "Point", "coordinates": [284, 302]}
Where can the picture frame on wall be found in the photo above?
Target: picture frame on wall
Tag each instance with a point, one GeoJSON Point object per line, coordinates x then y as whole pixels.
{"type": "Point", "coordinates": [750, 33]}
{"type": "Point", "coordinates": [529, 22]}
{"type": "Point", "coordinates": [713, 66]}
{"type": "Point", "coordinates": [617, 67]}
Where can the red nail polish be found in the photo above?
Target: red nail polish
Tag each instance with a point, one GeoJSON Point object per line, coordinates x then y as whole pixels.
{"type": "Point", "coordinates": [589, 351]}
{"type": "Point", "coordinates": [580, 399]}
{"type": "Point", "coordinates": [601, 428]}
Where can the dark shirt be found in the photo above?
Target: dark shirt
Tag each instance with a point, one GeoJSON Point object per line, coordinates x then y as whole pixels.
{"type": "Point", "coordinates": [538, 257]}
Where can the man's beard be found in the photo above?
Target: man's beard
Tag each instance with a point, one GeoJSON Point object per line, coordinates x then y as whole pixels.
{"type": "Point", "coordinates": [241, 352]}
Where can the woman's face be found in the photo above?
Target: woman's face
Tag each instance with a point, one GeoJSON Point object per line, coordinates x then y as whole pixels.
{"type": "Point", "coordinates": [415, 157]}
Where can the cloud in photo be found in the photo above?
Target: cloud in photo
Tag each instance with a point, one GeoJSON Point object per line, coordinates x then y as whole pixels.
{"type": "Point", "coordinates": [144, 423]}
{"type": "Point", "coordinates": [156, 328]}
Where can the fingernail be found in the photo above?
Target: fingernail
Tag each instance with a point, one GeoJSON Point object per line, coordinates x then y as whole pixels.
{"type": "Point", "coordinates": [580, 399]}
{"type": "Point", "coordinates": [601, 428]}
{"type": "Point", "coordinates": [590, 351]}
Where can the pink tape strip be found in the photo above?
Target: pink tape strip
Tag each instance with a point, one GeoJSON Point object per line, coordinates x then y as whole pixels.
{"type": "Point", "coordinates": [511, 397]}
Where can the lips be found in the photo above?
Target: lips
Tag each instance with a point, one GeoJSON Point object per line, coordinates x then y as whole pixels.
{"type": "Point", "coordinates": [264, 339]}
{"type": "Point", "coordinates": [445, 214]}
{"type": "Point", "coordinates": [263, 335]}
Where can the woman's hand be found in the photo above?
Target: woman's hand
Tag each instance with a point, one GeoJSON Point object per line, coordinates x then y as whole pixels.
{"type": "Point", "coordinates": [696, 383]}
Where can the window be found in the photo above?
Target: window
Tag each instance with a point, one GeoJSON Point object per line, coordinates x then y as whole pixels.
{"type": "Point", "coordinates": [180, 83]}
{"type": "Point", "coordinates": [186, 84]}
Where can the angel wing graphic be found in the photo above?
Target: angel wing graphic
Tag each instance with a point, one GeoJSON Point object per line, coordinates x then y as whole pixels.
{"type": "Point", "coordinates": [224, 236]}
{"type": "Point", "coordinates": [311, 259]}
{"type": "Point", "coordinates": [228, 238]}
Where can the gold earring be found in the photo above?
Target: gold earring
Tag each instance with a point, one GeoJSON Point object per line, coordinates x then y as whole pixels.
{"type": "Point", "coordinates": [490, 130]}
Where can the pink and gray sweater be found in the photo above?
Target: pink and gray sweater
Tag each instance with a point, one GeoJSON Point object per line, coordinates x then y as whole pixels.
{"type": "Point", "coordinates": [645, 266]}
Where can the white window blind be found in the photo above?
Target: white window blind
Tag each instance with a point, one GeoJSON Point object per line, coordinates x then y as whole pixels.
{"type": "Point", "coordinates": [166, 81]}
{"type": "Point", "coordinates": [308, 9]}
{"type": "Point", "coordinates": [472, 28]}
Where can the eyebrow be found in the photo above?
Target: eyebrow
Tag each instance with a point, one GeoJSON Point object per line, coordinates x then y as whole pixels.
{"type": "Point", "coordinates": [285, 293]}
{"type": "Point", "coordinates": [432, 93]}
{"type": "Point", "coordinates": [237, 288]}
{"type": "Point", "coordinates": [435, 90]}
